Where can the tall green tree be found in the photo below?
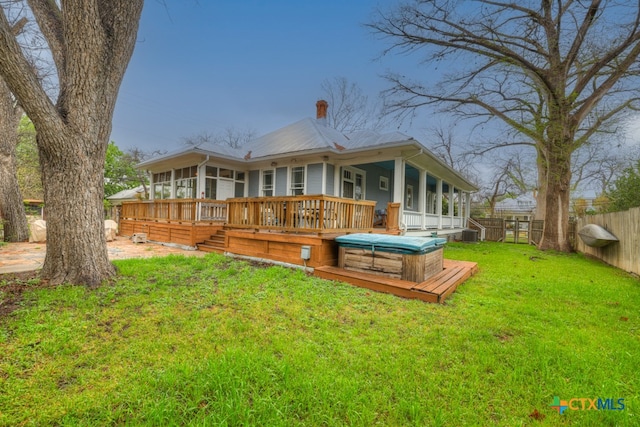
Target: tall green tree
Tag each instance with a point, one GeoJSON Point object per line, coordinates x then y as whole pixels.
{"type": "Point", "coordinates": [119, 171]}
{"type": "Point", "coordinates": [625, 192]}
{"type": "Point", "coordinates": [555, 72]}
{"type": "Point", "coordinates": [90, 43]}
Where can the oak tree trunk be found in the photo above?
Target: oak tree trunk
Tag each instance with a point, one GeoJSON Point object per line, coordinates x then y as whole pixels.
{"type": "Point", "coordinates": [73, 191]}
{"type": "Point", "coordinates": [12, 213]}
{"type": "Point", "coordinates": [91, 43]}
{"type": "Point", "coordinates": [558, 185]}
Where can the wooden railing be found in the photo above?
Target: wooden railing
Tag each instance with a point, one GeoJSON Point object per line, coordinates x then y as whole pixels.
{"type": "Point", "coordinates": [317, 214]}
{"type": "Point", "coordinates": [187, 210]}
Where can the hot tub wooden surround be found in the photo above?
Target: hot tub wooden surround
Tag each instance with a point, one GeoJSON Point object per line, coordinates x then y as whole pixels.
{"type": "Point", "coordinates": [435, 289]}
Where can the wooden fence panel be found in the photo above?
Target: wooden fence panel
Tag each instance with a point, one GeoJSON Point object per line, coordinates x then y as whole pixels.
{"type": "Point", "coordinates": [625, 225]}
{"type": "Point", "coordinates": [494, 228]}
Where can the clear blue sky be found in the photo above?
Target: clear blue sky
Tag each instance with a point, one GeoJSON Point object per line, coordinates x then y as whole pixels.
{"type": "Point", "coordinates": [205, 65]}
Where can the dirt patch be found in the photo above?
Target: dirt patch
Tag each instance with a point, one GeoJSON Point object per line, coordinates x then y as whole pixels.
{"type": "Point", "coordinates": [13, 285]}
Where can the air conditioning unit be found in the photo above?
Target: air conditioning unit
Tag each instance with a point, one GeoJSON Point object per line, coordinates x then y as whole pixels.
{"type": "Point", "coordinates": [469, 235]}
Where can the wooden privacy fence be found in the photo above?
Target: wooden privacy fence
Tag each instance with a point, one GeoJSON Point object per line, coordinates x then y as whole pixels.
{"type": "Point", "coordinates": [510, 230]}
{"type": "Point", "coordinates": [625, 225]}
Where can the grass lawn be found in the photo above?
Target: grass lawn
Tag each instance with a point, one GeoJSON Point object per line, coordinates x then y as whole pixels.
{"type": "Point", "coordinates": [216, 341]}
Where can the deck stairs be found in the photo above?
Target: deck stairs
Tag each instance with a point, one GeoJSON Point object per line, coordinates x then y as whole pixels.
{"type": "Point", "coordinates": [215, 243]}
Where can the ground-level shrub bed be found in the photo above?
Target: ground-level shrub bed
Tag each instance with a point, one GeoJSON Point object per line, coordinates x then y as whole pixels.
{"type": "Point", "coordinates": [216, 341]}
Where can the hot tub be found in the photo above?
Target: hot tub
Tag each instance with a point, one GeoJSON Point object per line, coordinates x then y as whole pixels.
{"type": "Point", "coordinates": [408, 258]}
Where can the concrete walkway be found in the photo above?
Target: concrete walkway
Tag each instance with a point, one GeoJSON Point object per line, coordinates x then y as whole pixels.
{"type": "Point", "coordinates": [19, 257]}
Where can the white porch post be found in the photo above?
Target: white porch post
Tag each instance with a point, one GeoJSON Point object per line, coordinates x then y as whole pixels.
{"type": "Point", "coordinates": [323, 190]}
{"type": "Point", "coordinates": [398, 182]}
{"type": "Point", "coordinates": [172, 192]}
{"type": "Point", "coordinates": [468, 211]}
{"type": "Point", "coordinates": [452, 203]}
{"type": "Point", "coordinates": [422, 198]}
{"type": "Point", "coordinates": [439, 201]}
{"type": "Point", "coordinates": [150, 188]}
{"type": "Point", "coordinates": [398, 186]}
{"type": "Point", "coordinates": [337, 188]}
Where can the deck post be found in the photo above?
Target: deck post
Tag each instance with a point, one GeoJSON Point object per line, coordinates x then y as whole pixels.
{"type": "Point", "coordinates": [439, 201]}
{"type": "Point", "coordinates": [422, 198]}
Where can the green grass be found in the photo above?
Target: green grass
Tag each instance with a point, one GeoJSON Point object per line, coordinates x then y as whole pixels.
{"type": "Point", "coordinates": [215, 341]}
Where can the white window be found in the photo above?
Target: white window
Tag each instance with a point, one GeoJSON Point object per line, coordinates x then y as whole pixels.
{"type": "Point", "coordinates": [162, 185]}
{"type": "Point", "coordinates": [409, 196]}
{"type": "Point", "coordinates": [268, 182]}
{"type": "Point", "coordinates": [353, 183]}
{"type": "Point", "coordinates": [210, 187]}
{"type": "Point", "coordinates": [297, 180]}
{"type": "Point", "coordinates": [185, 184]}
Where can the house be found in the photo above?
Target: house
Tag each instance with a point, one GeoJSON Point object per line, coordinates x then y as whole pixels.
{"type": "Point", "coordinates": [309, 158]}
{"type": "Point", "coordinates": [287, 196]}
{"type": "Point", "coordinates": [522, 207]}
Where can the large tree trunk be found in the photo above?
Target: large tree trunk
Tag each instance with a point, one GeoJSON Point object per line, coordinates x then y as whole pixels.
{"type": "Point", "coordinates": [541, 194]}
{"type": "Point", "coordinates": [12, 213]}
{"type": "Point", "coordinates": [91, 43]}
{"type": "Point", "coordinates": [555, 234]}
{"type": "Point", "coordinates": [73, 191]}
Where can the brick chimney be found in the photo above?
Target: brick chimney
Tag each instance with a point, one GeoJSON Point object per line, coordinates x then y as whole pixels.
{"type": "Point", "coordinates": [321, 111]}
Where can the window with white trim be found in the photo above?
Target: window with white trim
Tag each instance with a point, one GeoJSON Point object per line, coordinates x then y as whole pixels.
{"type": "Point", "coordinates": [297, 180]}
{"type": "Point", "coordinates": [353, 183]}
{"type": "Point", "coordinates": [268, 182]}
{"type": "Point", "coordinates": [162, 185]}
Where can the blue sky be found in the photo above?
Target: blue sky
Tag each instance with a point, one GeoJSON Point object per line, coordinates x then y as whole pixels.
{"type": "Point", "coordinates": [206, 65]}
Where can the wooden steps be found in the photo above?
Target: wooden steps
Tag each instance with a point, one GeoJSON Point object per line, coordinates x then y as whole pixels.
{"type": "Point", "coordinates": [215, 243]}
{"type": "Point", "coordinates": [435, 289]}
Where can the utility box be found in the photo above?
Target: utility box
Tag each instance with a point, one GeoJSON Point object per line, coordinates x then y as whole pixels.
{"type": "Point", "coordinates": [305, 252]}
{"type": "Point", "coordinates": [139, 238]}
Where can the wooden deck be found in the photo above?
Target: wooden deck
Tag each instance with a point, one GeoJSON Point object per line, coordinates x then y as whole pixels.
{"type": "Point", "coordinates": [435, 289]}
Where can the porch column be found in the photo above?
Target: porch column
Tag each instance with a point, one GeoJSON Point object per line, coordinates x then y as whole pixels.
{"type": "Point", "coordinates": [398, 187]}
{"type": "Point", "coordinates": [172, 191]}
{"type": "Point", "coordinates": [468, 199]}
{"type": "Point", "coordinates": [150, 188]}
{"type": "Point", "coordinates": [337, 187]}
{"type": "Point", "coordinates": [439, 201]}
{"type": "Point", "coordinates": [398, 182]}
{"type": "Point", "coordinates": [323, 190]}
{"type": "Point", "coordinates": [422, 198]}
{"type": "Point", "coordinates": [452, 203]}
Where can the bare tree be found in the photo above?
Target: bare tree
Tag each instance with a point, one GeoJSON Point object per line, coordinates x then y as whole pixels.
{"type": "Point", "coordinates": [230, 136]}
{"type": "Point", "coordinates": [91, 43]}
{"type": "Point", "coordinates": [555, 72]}
{"type": "Point", "coordinates": [444, 143]}
{"type": "Point", "coordinates": [349, 108]}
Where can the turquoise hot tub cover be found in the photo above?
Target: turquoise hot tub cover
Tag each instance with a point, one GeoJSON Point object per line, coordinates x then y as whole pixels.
{"type": "Point", "coordinates": [393, 244]}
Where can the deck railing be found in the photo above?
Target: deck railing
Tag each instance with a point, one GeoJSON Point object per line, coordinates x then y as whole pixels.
{"type": "Point", "coordinates": [315, 214]}
{"type": "Point", "coordinates": [187, 210]}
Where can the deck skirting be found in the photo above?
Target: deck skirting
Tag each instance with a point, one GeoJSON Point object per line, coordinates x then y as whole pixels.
{"type": "Point", "coordinates": [435, 289]}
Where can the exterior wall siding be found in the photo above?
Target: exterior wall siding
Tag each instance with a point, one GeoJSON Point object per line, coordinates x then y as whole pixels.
{"type": "Point", "coordinates": [314, 178]}
{"type": "Point", "coordinates": [282, 184]}
{"type": "Point", "coordinates": [372, 187]}
{"type": "Point", "coordinates": [254, 183]}
{"type": "Point", "coordinates": [331, 169]}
